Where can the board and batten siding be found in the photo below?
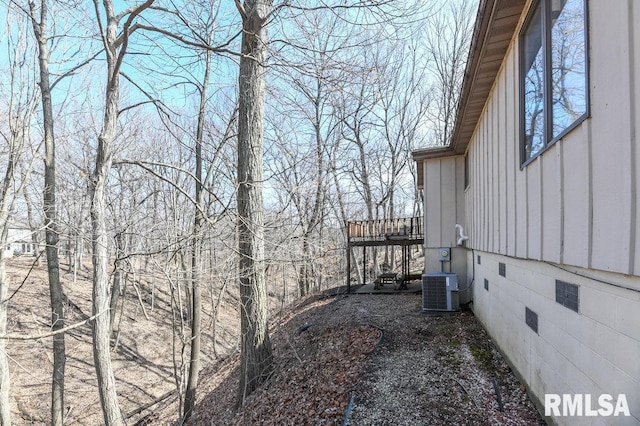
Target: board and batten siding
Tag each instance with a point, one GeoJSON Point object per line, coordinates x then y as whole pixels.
{"type": "Point", "coordinates": [576, 203]}
{"type": "Point", "coordinates": [444, 200]}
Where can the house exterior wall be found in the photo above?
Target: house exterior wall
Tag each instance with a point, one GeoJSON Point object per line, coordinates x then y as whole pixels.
{"type": "Point", "coordinates": [444, 200]}
{"type": "Point", "coordinates": [572, 214]}
{"type": "Point", "coordinates": [18, 240]}
{"type": "Point", "coordinates": [593, 351]}
{"type": "Point", "coordinates": [576, 203]}
{"type": "Point", "coordinates": [444, 207]}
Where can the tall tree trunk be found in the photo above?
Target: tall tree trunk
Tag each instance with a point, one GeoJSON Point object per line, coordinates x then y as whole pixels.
{"type": "Point", "coordinates": [5, 207]}
{"type": "Point", "coordinates": [115, 49]}
{"type": "Point", "coordinates": [118, 278]}
{"type": "Point", "coordinates": [19, 118]}
{"type": "Point", "coordinates": [196, 254]}
{"type": "Point", "coordinates": [100, 260]}
{"type": "Point", "coordinates": [51, 230]}
{"type": "Point", "coordinates": [368, 197]}
{"type": "Point", "coordinates": [305, 274]}
{"type": "Point", "coordinates": [343, 215]}
{"type": "Point", "coordinates": [257, 362]}
{"type": "Point", "coordinates": [33, 227]}
{"type": "Point", "coordinates": [5, 412]}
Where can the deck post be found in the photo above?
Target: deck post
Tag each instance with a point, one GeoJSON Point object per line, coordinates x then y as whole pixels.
{"type": "Point", "coordinates": [405, 263]}
{"type": "Point", "coordinates": [364, 264]}
{"type": "Point", "coordinates": [348, 268]}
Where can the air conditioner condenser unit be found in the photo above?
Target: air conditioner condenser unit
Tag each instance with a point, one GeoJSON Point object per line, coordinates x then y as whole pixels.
{"type": "Point", "coordinates": [440, 292]}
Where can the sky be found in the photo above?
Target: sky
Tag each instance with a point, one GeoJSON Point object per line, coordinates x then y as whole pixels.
{"type": "Point", "coordinates": [159, 67]}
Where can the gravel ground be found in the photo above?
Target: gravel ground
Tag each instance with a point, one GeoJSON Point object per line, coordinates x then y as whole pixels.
{"type": "Point", "coordinates": [435, 369]}
{"type": "Point", "coordinates": [396, 365]}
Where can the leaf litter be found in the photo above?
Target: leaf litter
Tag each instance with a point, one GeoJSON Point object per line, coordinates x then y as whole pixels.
{"type": "Point", "coordinates": [396, 365]}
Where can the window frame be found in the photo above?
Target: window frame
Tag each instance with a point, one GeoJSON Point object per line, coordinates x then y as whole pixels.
{"type": "Point", "coordinates": [549, 139]}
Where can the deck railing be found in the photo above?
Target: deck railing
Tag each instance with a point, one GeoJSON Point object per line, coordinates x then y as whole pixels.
{"type": "Point", "coordinates": [383, 229]}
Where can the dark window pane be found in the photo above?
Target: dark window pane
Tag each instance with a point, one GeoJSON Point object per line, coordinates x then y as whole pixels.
{"type": "Point", "coordinates": [533, 87]}
{"type": "Point", "coordinates": [568, 62]}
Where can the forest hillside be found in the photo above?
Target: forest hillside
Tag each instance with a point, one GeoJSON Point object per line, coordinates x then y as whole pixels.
{"type": "Point", "coordinates": [367, 357]}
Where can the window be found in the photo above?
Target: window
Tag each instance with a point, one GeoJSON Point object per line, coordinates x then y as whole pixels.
{"type": "Point", "coordinates": [553, 55]}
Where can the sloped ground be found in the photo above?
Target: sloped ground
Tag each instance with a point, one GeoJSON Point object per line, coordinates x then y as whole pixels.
{"type": "Point", "coordinates": [143, 361]}
{"type": "Point", "coordinates": [395, 364]}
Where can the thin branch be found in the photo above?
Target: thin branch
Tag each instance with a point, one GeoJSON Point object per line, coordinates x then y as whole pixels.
{"type": "Point", "coordinates": [136, 105]}
{"type": "Point", "coordinates": [217, 49]}
{"type": "Point", "coordinates": [243, 13]}
{"type": "Point", "coordinates": [52, 333]}
{"type": "Point", "coordinates": [74, 69]}
{"type": "Point", "coordinates": [125, 33]}
{"type": "Point", "coordinates": [145, 165]}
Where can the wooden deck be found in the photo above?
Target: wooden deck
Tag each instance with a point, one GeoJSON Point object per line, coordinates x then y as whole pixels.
{"type": "Point", "coordinates": [404, 232]}
{"type": "Point", "coordinates": [411, 288]}
{"type": "Point", "coordinates": [384, 232]}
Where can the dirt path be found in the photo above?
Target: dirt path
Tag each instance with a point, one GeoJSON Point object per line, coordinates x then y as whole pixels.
{"type": "Point", "coordinates": [435, 369]}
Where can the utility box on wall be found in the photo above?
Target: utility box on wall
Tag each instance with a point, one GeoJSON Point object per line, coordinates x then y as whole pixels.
{"type": "Point", "coordinates": [445, 254]}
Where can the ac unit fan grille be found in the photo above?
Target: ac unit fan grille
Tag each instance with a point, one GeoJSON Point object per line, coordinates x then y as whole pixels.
{"type": "Point", "coordinates": [434, 293]}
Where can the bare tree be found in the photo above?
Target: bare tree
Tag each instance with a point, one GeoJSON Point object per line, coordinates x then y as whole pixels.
{"type": "Point", "coordinates": [40, 29]}
{"type": "Point", "coordinates": [15, 141]}
{"type": "Point", "coordinates": [196, 250]}
{"type": "Point", "coordinates": [447, 40]}
{"type": "Point", "coordinates": [257, 362]}
{"type": "Point", "coordinates": [115, 47]}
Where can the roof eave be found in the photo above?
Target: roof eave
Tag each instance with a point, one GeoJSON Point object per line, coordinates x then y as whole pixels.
{"type": "Point", "coordinates": [495, 27]}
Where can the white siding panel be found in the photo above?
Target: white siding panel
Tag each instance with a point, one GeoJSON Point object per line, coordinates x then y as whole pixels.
{"type": "Point", "coordinates": [634, 19]}
{"type": "Point", "coordinates": [448, 201]}
{"type": "Point", "coordinates": [459, 208]}
{"type": "Point", "coordinates": [495, 178]}
{"type": "Point", "coordinates": [575, 168]}
{"type": "Point", "coordinates": [551, 205]}
{"type": "Point", "coordinates": [522, 213]}
{"type": "Point", "coordinates": [610, 100]}
{"type": "Point", "coordinates": [433, 201]}
{"type": "Point", "coordinates": [469, 196]}
{"type": "Point", "coordinates": [478, 188]}
{"type": "Point", "coordinates": [512, 162]}
{"type": "Point", "coordinates": [444, 200]}
{"type": "Point", "coordinates": [502, 166]}
{"type": "Point", "coordinates": [534, 209]}
{"type": "Point", "coordinates": [486, 220]}
{"type": "Point", "coordinates": [474, 211]}
{"type": "Point", "coordinates": [484, 183]}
